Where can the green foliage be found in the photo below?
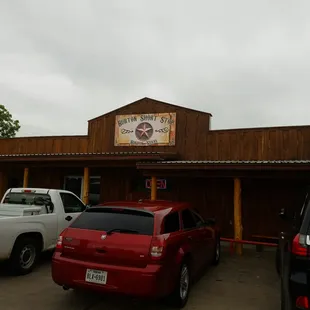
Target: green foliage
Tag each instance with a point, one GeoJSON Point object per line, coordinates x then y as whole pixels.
{"type": "Point", "coordinates": [8, 126]}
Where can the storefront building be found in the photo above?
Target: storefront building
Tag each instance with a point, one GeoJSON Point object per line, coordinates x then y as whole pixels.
{"type": "Point", "coordinates": [242, 177]}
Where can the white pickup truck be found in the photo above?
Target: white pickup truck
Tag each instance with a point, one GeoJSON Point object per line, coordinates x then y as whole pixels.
{"type": "Point", "coordinates": [31, 220]}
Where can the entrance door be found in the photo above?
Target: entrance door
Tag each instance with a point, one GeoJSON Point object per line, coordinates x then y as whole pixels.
{"type": "Point", "coordinates": [74, 185]}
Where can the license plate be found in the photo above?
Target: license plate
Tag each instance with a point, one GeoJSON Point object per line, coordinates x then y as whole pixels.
{"type": "Point", "coordinates": [96, 276]}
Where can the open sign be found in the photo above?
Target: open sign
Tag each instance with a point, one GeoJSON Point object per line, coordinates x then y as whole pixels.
{"type": "Point", "coordinates": [161, 183]}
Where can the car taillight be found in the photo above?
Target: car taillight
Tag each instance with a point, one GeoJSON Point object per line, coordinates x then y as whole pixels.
{"type": "Point", "coordinates": [300, 246]}
{"type": "Point", "coordinates": [157, 248]}
{"type": "Point", "coordinates": [59, 245]}
{"type": "Point", "coordinates": [302, 302]}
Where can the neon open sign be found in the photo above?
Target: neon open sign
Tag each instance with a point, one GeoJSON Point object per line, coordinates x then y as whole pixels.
{"type": "Point", "coordinates": [161, 183]}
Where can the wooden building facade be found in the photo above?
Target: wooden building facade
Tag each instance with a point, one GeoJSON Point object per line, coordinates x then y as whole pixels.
{"type": "Point", "coordinates": [242, 177]}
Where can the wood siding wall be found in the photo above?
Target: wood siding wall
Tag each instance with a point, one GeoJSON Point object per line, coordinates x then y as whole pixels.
{"type": "Point", "coordinates": [280, 143]}
{"type": "Point", "coordinates": [44, 145]}
{"type": "Point", "coordinates": [194, 141]}
{"type": "Point", "coordinates": [191, 128]}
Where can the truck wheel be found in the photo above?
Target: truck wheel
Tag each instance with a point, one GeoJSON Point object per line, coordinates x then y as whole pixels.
{"type": "Point", "coordinates": [24, 255]}
{"type": "Point", "coordinates": [217, 252]}
{"type": "Point", "coordinates": [179, 297]}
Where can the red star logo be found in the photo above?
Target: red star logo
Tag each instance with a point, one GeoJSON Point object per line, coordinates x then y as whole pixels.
{"type": "Point", "coordinates": [144, 129]}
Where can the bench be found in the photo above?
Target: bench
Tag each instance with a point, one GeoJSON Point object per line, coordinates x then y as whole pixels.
{"type": "Point", "coordinates": [262, 238]}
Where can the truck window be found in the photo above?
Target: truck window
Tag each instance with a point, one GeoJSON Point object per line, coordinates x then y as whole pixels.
{"type": "Point", "coordinates": [24, 198]}
{"type": "Point", "coordinates": [171, 223]}
{"type": "Point", "coordinates": [108, 218]}
{"type": "Point", "coordinates": [71, 203]}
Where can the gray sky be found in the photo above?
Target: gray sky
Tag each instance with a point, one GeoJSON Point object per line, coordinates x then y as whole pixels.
{"type": "Point", "coordinates": [63, 62]}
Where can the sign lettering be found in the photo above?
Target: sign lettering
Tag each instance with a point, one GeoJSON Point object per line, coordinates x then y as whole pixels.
{"type": "Point", "coordinates": [145, 129]}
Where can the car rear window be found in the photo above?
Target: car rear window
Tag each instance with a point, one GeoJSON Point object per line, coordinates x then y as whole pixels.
{"type": "Point", "coordinates": [24, 198]}
{"type": "Point", "coordinates": [108, 218]}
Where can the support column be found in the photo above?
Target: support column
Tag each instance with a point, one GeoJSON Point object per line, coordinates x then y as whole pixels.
{"type": "Point", "coordinates": [154, 188]}
{"type": "Point", "coordinates": [238, 215]}
{"type": "Point", "coordinates": [86, 186]}
{"type": "Point", "coordinates": [26, 178]}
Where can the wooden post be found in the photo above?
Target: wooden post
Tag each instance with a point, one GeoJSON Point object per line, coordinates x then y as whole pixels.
{"type": "Point", "coordinates": [154, 188]}
{"type": "Point", "coordinates": [26, 178]}
{"type": "Point", "coordinates": [238, 214]}
{"type": "Point", "coordinates": [86, 186]}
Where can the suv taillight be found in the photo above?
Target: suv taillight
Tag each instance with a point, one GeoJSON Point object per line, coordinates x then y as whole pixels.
{"type": "Point", "coordinates": [299, 246]}
{"type": "Point", "coordinates": [59, 245]}
{"type": "Point", "coordinates": [157, 248]}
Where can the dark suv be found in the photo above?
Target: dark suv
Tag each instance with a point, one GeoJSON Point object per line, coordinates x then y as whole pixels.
{"type": "Point", "coordinates": [293, 259]}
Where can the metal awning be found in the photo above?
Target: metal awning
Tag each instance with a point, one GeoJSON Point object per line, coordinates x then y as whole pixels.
{"type": "Point", "coordinates": [226, 165]}
{"type": "Point", "coordinates": [106, 156]}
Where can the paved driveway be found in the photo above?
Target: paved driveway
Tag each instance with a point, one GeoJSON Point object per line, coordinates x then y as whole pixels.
{"type": "Point", "coordinates": [249, 282]}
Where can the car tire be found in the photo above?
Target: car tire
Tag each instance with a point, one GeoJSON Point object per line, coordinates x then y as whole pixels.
{"type": "Point", "coordinates": [179, 297]}
{"type": "Point", "coordinates": [217, 252]}
{"type": "Point", "coordinates": [24, 255]}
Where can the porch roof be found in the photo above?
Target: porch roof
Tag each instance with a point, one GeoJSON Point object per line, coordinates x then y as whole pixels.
{"type": "Point", "coordinates": [112, 156]}
{"type": "Point", "coordinates": [226, 165]}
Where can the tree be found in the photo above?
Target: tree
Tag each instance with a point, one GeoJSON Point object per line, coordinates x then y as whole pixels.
{"type": "Point", "coordinates": [8, 126]}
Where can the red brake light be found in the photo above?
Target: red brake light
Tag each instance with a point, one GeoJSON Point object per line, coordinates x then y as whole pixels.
{"type": "Point", "coordinates": [157, 248]}
{"type": "Point", "coordinates": [28, 191]}
{"type": "Point", "coordinates": [299, 246]}
{"type": "Point", "coordinates": [302, 302]}
{"type": "Point", "coordinates": [59, 245]}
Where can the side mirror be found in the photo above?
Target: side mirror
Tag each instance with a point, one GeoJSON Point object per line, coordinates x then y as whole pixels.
{"type": "Point", "coordinates": [283, 214]}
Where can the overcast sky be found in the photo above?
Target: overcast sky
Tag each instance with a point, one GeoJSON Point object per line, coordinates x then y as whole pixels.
{"type": "Point", "coordinates": [63, 62]}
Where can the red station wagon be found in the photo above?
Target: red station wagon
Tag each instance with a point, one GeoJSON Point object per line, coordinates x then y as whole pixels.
{"type": "Point", "coordinates": [149, 249]}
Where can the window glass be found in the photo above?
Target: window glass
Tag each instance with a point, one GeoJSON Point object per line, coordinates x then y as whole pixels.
{"type": "Point", "coordinates": [188, 220]}
{"type": "Point", "coordinates": [171, 223]}
{"type": "Point", "coordinates": [108, 218]}
{"type": "Point", "coordinates": [25, 198]}
{"type": "Point", "coordinates": [198, 219]}
{"type": "Point", "coordinates": [71, 203]}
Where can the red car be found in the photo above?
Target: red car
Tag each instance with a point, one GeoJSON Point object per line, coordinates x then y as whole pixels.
{"type": "Point", "coordinates": [149, 249]}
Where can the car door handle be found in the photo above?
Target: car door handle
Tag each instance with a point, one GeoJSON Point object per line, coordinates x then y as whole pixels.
{"type": "Point", "coordinates": [190, 238]}
{"type": "Point", "coordinates": [68, 218]}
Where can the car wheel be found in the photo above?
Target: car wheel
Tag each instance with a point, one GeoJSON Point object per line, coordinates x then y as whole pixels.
{"type": "Point", "coordinates": [179, 297]}
{"type": "Point", "coordinates": [24, 255]}
{"type": "Point", "coordinates": [217, 252]}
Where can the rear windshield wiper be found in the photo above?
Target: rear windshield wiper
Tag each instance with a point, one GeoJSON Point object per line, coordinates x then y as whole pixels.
{"type": "Point", "coordinates": [128, 231]}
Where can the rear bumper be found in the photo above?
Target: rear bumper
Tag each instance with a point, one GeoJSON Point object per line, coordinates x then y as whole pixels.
{"type": "Point", "coordinates": [299, 285]}
{"type": "Point", "coordinates": [149, 282]}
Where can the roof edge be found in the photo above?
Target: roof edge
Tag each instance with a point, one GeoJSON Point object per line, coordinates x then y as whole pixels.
{"type": "Point", "coordinates": [148, 98]}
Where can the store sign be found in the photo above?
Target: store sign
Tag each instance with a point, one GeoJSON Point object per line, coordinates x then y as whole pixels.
{"type": "Point", "coordinates": [145, 129]}
{"type": "Point", "coordinates": [161, 183]}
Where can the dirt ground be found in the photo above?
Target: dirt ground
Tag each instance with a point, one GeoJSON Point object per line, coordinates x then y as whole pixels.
{"type": "Point", "coordinates": [248, 282]}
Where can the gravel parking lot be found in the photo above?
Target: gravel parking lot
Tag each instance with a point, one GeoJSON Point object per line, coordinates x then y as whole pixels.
{"type": "Point", "coordinates": [248, 282]}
